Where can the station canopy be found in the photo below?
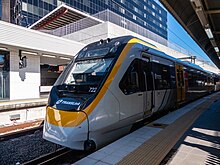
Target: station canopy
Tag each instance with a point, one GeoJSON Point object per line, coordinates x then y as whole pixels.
{"type": "Point", "coordinates": [61, 16]}
{"type": "Point", "coordinates": [201, 19]}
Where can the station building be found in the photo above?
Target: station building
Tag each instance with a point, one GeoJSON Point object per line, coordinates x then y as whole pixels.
{"type": "Point", "coordinates": [31, 60]}
{"type": "Point", "coordinates": [46, 55]}
{"type": "Point", "coordinates": [146, 13]}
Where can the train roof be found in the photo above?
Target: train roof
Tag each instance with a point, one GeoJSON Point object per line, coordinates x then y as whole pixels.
{"type": "Point", "coordinates": [168, 57]}
{"type": "Point", "coordinates": [122, 40]}
{"type": "Point", "coordinates": [151, 48]}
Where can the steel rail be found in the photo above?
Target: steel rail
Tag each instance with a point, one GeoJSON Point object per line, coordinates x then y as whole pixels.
{"type": "Point", "coordinates": [59, 155]}
{"type": "Point", "coordinates": [22, 132]}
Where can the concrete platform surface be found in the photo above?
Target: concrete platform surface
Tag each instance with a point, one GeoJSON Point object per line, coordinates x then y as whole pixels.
{"type": "Point", "coordinates": [24, 103]}
{"type": "Point", "coordinates": [200, 145]}
{"type": "Point", "coordinates": [149, 145]}
{"type": "Point", "coordinates": [18, 112]}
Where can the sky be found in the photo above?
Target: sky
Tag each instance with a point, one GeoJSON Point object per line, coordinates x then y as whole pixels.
{"type": "Point", "coordinates": [177, 35]}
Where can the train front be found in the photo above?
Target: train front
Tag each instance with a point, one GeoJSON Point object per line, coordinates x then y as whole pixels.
{"type": "Point", "coordinates": [69, 104]}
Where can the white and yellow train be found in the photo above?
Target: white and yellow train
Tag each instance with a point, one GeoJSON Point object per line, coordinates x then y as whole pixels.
{"type": "Point", "coordinates": [113, 83]}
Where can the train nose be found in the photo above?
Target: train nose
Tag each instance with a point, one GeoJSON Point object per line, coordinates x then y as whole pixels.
{"type": "Point", "coordinates": [55, 133]}
{"type": "Point", "coordinates": [72, 137]}
{"type": "Point", "coordinates": [65, 128]}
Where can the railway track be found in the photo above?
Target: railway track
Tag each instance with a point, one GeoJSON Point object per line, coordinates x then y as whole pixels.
{"type": "Point", "coordinates": [58, 157]}
{"type": "Point", "coordinates": [22, 132]}
{"type": "Point", "coordinates": [67, 156]}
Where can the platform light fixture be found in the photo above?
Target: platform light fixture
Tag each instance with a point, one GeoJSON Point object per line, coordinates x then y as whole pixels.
{"type": "Point", "coordinates": [53, 64]}
{"type": "Point", "coordinates": [3, 48]}
{"type": "Point", "coordinates": [30, 53]}
{"type": "Point", "coordinates": [213, 42]}
{"type": "Point", "coordinates": [197, 5]}
{"type": "Point", "coordinates": [65, 58]}
{"type": "Point", "coordinates": [202, 17]}
{"type": "Point", "coordinates": [196, 2]}
{"type": "Point", "coordinates": [209, 33]}
{"type": "Point", "coordinates": [47, 55]}
{"type": "Point", "coordinates": [216, 49]}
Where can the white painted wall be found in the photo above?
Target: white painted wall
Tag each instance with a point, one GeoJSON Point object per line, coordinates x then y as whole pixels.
{"type": "Point", "coordinates": [25, 115]}
{"type": "Point", "coordinates": [25, 82]}
{"type": "Point", "coordinates": [14, 35]}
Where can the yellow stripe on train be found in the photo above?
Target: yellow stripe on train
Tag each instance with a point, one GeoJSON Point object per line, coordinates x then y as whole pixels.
{"type": "Point", "coordinates": [70, 119]}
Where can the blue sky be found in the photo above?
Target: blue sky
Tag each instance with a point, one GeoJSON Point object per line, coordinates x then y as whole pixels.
{"type": "Point", "coordinates": [177, 35]}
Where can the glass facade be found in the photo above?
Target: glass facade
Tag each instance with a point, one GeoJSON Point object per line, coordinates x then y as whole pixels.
{"type": "Point", "coordinates": [146, 13]}
{"type": "Point", "coordinates": [0, 9]}
{"type": "Point", "coordinates": [4, 74]}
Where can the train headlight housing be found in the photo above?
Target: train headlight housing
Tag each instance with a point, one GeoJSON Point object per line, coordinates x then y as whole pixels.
{"type": "Point", "coordinates": [64, 118]}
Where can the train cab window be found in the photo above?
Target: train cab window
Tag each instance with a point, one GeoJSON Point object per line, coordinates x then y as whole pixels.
{"type": "Point", "coordinates": [130, 82]}
{"type": "Point", "coordinates": [162, 76]}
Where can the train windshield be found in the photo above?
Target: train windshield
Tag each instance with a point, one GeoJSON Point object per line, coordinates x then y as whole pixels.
{"type": "Point", "coordinates": [88, 72]}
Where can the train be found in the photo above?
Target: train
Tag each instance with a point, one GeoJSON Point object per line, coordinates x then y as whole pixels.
{"type": "Point", "coordinates": [113, 83]}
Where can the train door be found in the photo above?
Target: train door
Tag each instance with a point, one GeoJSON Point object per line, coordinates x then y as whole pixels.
{"type": "Point", "coordinates": [148, 86]}
{"type": "Point", "coordinates": [180, 83]}
{"type": "Point", "coordinates": [131, 103]}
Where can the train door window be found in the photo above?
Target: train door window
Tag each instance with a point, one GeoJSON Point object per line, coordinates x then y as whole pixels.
{"type": "Point", "coordinates": [146, 69]}
{"type": "Point", "coordinates": [173, 77]}
{"type": "Point", "coordinates": [130, 82]}
{"type": "Point", "coordinates": [186, 78]}
{"type": "Point", "coordinates": [162, 76]}
{"type": "Point", "coordinates": [180, 78]}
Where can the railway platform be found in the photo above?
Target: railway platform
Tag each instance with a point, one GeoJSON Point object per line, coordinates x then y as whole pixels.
{"type": "Point", "coordinates": [16, 115]}
{"type": "Point", "coordinates": [189, 135]}
{"type": "Point", "coordinates": [7, 105]}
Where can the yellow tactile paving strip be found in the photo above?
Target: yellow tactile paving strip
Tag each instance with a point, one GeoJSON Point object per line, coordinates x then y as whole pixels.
{"type": "Point", "coordinates": [153, 151]}
{"type": "Point", "coordinates": [157, 125]}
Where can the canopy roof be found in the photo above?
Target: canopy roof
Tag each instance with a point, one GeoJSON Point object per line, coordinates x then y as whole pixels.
{"type": "Point", "coordinates": [61, 16]}
{"type": "Point", "coordinates": [201, 19]}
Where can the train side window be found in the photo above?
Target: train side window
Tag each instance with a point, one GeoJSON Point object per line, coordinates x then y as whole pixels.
{"type": "Point", "coordinates": [130, 82]}
{"type": "Point", "coordinates": [191, 79]}
{"type": "Point", "coordinates": [162, 76]}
